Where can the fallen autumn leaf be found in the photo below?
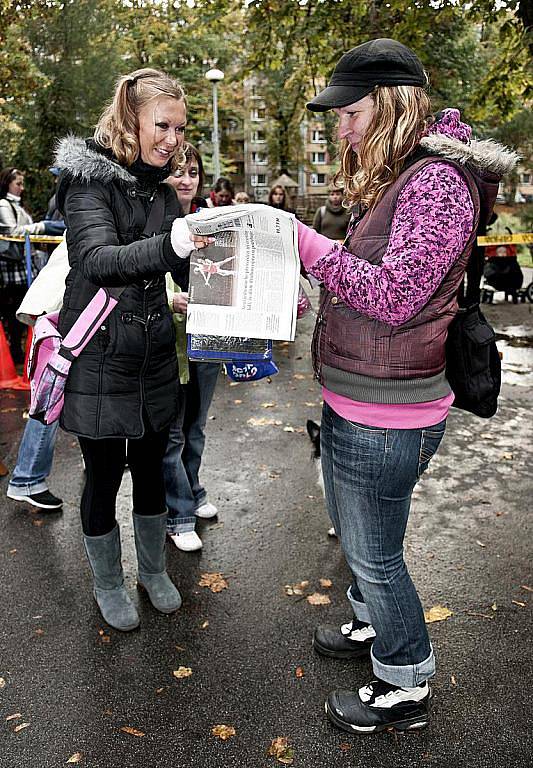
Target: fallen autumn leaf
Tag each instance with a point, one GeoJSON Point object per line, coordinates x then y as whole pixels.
{"type": "Point", "coordinates": [131, 731]}
{"type": "Point", "coordinates": [263, 422]}
{"type": "Point", "coordinates": [295, 589]}
{"type": "Point", "coordinates": [182, 672]}
{"type": "Point", "coordinates": [279, 748]}
{"type": "Point", "coordinates": [437, 613]}
{"type": "Point", "coordinates": [223, 732]}
{"type": "Point", "coordinates": [326, 583]}
{"type": "Point", "coordinates": [213, 581]}
{"type": "Point", "coordinates": [77, 757]}
{"type": "Point", "coordinates": [318, 599]}
{"type": "Point", "coordinates": [20, 727]}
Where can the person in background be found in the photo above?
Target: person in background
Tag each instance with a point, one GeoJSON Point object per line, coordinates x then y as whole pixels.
{"type": "Point", "coordinates": [332, 219]}
{"type": "Point", "coordinates": [221, 194]}
{"type": "Point", "coordinates": [242, 197]}
{"type": "Point", "coordinates": [15, 220]}
{"type": "Point", "coordinates": [122, 392]}
{"type": "Point", "coordinates": [185, 495]}
{"type": "Point", "coordinates": [422, 190]}
{"type": "Point", "coordinates": [29, 481]}
{"type": "Point", "coordinates": [278, 198]}
{"type": "Point", "coordinates": [53, 216]}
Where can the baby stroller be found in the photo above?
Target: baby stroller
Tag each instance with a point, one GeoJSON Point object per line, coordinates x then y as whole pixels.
{"type": "Point", "coordinates": [502, 271]}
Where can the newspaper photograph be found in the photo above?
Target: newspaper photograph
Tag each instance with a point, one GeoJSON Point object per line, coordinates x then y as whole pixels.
{"type": "Point", "coordinates": [246, 283]}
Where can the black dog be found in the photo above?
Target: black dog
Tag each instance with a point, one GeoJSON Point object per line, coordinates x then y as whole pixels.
{"type": "Point", "coordinates": [313, 430]}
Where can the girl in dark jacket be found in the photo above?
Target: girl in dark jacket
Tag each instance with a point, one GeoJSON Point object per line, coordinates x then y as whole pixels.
{"type": "Point", "coordinates": [122, 391]}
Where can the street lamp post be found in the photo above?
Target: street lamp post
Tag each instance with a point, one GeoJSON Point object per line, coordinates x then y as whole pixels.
{"type": "Point", "coordinates": [215, 76]}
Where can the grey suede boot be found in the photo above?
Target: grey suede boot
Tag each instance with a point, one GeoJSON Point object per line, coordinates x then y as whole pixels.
{"type": "Point", "coordinates": [150, 539]}
{"type": "Point", "coordinates": [104, 555]}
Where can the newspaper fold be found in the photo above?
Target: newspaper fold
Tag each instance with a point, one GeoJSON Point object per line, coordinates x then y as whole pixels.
{"type": "Point", "coordinates": [246, 283]}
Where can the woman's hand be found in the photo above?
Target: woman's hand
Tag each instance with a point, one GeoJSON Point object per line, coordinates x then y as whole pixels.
{"type": "Point", "coordinates": [183, 242]}
{"type": "Point", "coordinates": [179, 303]}
{"type": "Point", "coordinates": [201, 241]}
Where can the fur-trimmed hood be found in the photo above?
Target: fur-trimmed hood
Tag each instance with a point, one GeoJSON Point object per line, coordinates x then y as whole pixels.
{"type": "Point", "coordinates": [451, 139]}
{"type": "Point", "coordinates": [82, 160]}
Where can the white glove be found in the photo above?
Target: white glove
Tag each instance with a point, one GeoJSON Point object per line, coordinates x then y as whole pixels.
{"type": "Point", "coordinates": [180, 238]}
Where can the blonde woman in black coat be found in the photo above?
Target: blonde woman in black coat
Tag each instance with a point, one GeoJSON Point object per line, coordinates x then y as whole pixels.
{"type": "Point", "coordinates": [122, 392]}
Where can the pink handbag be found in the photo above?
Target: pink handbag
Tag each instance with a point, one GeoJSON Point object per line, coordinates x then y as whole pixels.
{"type": "Point", "coordinates": [51, 356]}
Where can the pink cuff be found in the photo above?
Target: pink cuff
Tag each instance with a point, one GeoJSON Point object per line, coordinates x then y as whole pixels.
{"type": "Point", "coordinates": [312, 246]}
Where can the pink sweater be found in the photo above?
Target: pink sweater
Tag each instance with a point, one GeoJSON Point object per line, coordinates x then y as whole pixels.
{"type": "Point", "coordinates": [431, 226]}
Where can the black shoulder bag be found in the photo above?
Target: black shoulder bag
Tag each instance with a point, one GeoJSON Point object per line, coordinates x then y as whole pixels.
{"type": "Point", "coordinates": [473, 365]}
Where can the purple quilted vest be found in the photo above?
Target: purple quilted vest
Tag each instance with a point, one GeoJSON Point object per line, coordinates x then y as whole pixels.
{"type": "Point", "coordinates": [370, 361]}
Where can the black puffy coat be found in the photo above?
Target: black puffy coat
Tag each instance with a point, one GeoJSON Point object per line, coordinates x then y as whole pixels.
{"type": "Point", "coordinates": [128, 371]}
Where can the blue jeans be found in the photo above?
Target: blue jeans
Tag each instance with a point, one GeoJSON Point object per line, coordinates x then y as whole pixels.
{"type": "Point", "coordinates": [35, 456]}
{"type": "Point", "coordinates": [369, 475]}
{"type": "Point", "coordinates": [181, 465]}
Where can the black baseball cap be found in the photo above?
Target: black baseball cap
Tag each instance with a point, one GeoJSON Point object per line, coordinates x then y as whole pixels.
{"type": "Point", "coordinates": [377, 62]}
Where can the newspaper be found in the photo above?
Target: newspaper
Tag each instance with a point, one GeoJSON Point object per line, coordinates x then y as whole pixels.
{"type": "Point", "coordinates": [246, 283]}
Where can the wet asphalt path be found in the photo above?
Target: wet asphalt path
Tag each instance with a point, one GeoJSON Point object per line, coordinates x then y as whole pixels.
{"type": "Point", "coordinates": [77, 683]}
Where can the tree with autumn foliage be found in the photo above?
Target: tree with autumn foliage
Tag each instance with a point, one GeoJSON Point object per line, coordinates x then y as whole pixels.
{"type": "Point", "coordinates": [59, 60]}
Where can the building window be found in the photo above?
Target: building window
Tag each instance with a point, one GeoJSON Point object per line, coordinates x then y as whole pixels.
{"type": "Point", "coordinates": [258, 113]}
{"type": "Point", "coordinates": [259, 158]}
{"type": "Point", "coordinates": [257, 137]}
{"type": "Point", "coordinates": [258, 179]}
{"type": "Point", "coordinates": [318, 136]}
{"type": "Point", "coordinates": [318, 158]}
{"type": "Point", "coordinates": [317, 179]}
{"type": "Point", "coordinates": [525, 178]}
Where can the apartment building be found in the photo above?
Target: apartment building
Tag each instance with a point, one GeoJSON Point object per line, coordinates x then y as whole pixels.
{"type": "Point", "coordinates": [312, 173]}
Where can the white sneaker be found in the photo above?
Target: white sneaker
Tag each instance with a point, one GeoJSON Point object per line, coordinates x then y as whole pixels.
{"type": "Point", "coordinates": [187, 542]}
{"type": "Point", "coordinates": [206, 510]}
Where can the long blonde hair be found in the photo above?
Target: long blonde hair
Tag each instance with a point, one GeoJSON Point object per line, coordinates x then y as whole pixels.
{"type": "Point", "coordinates": [400, 118]}
{"type": "Point", "coordinates": [118, 126]}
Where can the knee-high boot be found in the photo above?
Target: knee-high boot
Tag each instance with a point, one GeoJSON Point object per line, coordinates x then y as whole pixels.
{"type": "Point", "coordinates": [104, 555]}
{"type": "Point", "coordinates": [150, 539]}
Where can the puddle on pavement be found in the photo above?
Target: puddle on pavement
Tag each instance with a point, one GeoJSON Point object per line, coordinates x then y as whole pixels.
{"type": "Point", "coordinates": [516, 345]}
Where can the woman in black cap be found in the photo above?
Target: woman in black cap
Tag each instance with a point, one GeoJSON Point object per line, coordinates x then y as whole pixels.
{"type": "Point", "coordinates": [420, 190]}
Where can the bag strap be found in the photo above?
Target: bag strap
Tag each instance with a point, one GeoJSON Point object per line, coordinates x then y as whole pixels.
{"type": "Point", "coordinates": [15, 212]}
{"type": "Point", "coordinates": [106, 299]}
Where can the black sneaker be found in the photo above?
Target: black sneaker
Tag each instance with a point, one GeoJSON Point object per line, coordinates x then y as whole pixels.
{"type": "Point", "coordinates": [351, 641]}
{"type": "Point", "coordinates": [379, 706]}
{"type": "Point", "coordinates": [43, 500]}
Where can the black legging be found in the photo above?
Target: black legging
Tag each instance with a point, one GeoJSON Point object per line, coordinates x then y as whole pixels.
{"type": "Point", "coordinates": [104, 464]}
{"type": "Point", "coordinates": [11, 297]}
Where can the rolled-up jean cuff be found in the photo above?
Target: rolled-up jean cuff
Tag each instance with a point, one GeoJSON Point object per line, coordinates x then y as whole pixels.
{"type": "Point", "coordinates": [407, 676]}
{"type": "Point", "coordinates": [27, 489]}
{"type": "Point", "coordinates": [360, 610]}
{"type": "Point", "coordinates": [180, 524]}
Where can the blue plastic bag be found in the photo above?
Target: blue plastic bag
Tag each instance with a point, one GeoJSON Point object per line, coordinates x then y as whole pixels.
{"type": "Point", "coordinates": [246, 370]}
